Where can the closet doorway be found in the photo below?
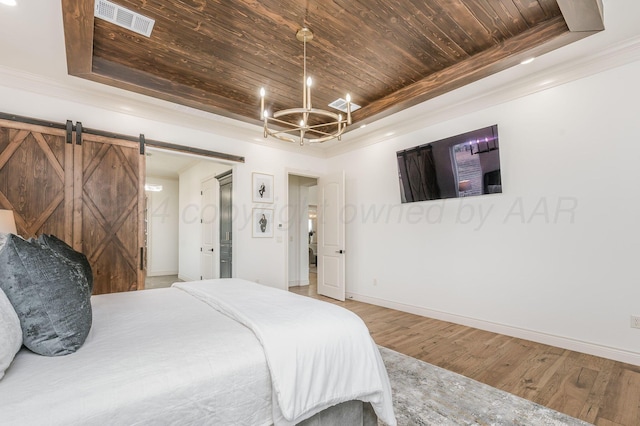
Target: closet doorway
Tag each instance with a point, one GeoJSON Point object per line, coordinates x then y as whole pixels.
{"type": "Point", "coordinates": [225, 181]}
{"type": "Point", "coordinates": [174, 212]}
{"type": "Point", "coordinates": [303, 230]}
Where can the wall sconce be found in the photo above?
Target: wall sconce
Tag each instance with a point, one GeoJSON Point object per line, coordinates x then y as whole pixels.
{"type": "Point", "coordinates": [7, 222]}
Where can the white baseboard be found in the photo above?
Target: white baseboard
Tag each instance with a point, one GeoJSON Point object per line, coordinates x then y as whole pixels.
{"type": "Point", "coordinates": [535, 336]}
{"type": "Point", "coordinates": [298, 283]}
{"type": "Point", "coordinates": [186, 278]}
{"type": "Point", "coordinates": [161, 273]}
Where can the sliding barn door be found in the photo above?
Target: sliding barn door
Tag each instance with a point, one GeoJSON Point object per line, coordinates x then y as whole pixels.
{"type": "Point", "coordinates": [36, 178]}
{"type": "Point", "coordinates": [109, 210]}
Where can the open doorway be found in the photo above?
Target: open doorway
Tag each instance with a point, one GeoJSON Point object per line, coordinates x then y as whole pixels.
{"type": "Point", "coordinates": [326, 192]}
{"type": "Point", "coordinates": [303, 231]}
{"type": "Point", "coordinates": [173, 214]}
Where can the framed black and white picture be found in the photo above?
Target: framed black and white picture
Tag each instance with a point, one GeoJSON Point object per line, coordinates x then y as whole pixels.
{"type": "Point", "coordinates": [262, 186]}
{"type": "Point", "coordinates": [262, 223]}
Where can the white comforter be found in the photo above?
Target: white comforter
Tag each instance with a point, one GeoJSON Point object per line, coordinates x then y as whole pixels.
{"type": "Point", "coordinates": [153, 357]}
{"type": "Point", "coordinates": [318, 354]}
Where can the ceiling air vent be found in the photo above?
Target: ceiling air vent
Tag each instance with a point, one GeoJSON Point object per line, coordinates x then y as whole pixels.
{"type": "Point", "coordinates": [341, 105]}
{"type": "Point", "coordinates": [124, 18]}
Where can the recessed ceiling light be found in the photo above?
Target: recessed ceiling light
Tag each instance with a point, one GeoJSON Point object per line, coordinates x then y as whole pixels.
{"type": "Point", "coordinates": [8, 2]}
{"type": "Point", "coordinates": [363, 126]}
{"type": "Point", "coordinates": [527, 61]}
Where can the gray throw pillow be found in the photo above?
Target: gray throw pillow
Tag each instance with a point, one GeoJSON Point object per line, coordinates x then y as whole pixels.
{"type": "Point", "coordinates": [50, 294]}
{"type": "Point", "coordinates": [64, 250]}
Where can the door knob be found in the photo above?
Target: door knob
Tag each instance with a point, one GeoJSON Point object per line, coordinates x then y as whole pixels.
{"type": "Point", "coordinates": [211, 249]}
{"type": "Point", "coordinates": [340, 251]}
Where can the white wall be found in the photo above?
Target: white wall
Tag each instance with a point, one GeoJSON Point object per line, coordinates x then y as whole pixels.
{"type": "Point", "coordinates": [266, 259]}
{"type": "Point", "coordinates": [263, 260]}
{"type": "Point", "coordinates": [553, 258]}
{"type": "Point", "coordinates": [313, 195]}
{"type": "Point", "coordinates": [162, 217]}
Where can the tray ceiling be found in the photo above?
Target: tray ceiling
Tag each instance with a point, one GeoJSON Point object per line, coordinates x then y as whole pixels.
{"type": "Point", "coordinates": [389, 55]}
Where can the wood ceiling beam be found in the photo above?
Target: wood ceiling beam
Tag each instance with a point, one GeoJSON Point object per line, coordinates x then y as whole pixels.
{"type": "Point", "coordinates": [105, 72]}
{"type": "Point", "coordinates": [77, 16]}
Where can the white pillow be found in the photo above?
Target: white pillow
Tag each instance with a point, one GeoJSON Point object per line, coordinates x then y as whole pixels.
{"type": "Point", "coordinates": [10, 332]}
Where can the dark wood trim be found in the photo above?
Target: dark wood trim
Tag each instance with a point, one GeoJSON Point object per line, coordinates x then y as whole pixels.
{"type": "Point", "coordinates": [77, 16]}
{"type": "Point", "coordinates": [160, 88]}
{"type": "Point", "coordinates": [542, 39]}
{"type": "Point", "coordinates": [196, 151]}
{"type": "Point", "coordinates": [34, 121]}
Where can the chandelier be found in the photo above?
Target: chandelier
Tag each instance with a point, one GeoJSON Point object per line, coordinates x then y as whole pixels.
{"type": "Point", "coordinates": [296, 124]}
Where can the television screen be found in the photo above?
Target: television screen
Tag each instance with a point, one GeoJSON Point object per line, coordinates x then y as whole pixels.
{"type": "Point", "coordinates": [459, 166]}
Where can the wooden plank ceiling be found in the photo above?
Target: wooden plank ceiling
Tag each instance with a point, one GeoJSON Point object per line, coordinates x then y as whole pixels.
{"type": "Point", "coordinates": [389, 55]}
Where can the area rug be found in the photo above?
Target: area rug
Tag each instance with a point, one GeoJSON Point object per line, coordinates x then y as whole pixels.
{"type": "Point", "coordinates": [424, 394]}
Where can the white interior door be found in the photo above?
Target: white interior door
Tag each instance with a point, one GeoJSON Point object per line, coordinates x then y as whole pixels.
{"type": "Point", "coordinates": [209, 230]}
{"type": "Point", "coordinates": [331, 244]}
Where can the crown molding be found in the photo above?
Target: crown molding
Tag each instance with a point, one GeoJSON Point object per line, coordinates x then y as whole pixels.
{"type": "Point", "coordinates": [119, 101]}
{"type": "Point", "coordinates": [482, 94]}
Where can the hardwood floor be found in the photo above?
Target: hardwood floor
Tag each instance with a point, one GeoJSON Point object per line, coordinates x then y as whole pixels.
{"type": "Point", "coordinates": [161, 281]}
{"type": "Point", "coordinates": [597, 390]}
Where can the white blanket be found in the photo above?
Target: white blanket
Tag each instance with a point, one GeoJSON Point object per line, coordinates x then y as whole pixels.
{"type": "Point", "coordinates": [153, 357]}
{"type": "Point", "coordinates": [318, 354]}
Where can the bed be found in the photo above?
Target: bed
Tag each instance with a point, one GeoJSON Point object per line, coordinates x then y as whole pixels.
{"type": "Point", "coordinates": [214, 352]}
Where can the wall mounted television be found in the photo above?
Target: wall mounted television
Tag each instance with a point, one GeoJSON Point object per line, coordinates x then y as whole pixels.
{"type": "Point", "coordinates": [458, 166]}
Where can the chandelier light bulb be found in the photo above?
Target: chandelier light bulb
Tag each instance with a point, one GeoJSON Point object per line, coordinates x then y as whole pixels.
{"type": "Point", "coordinates": [309, 81]}
{"type": "Point", "coordinates": [348, 97]}
{"type": "Point", "coordinates": [262, 93]}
